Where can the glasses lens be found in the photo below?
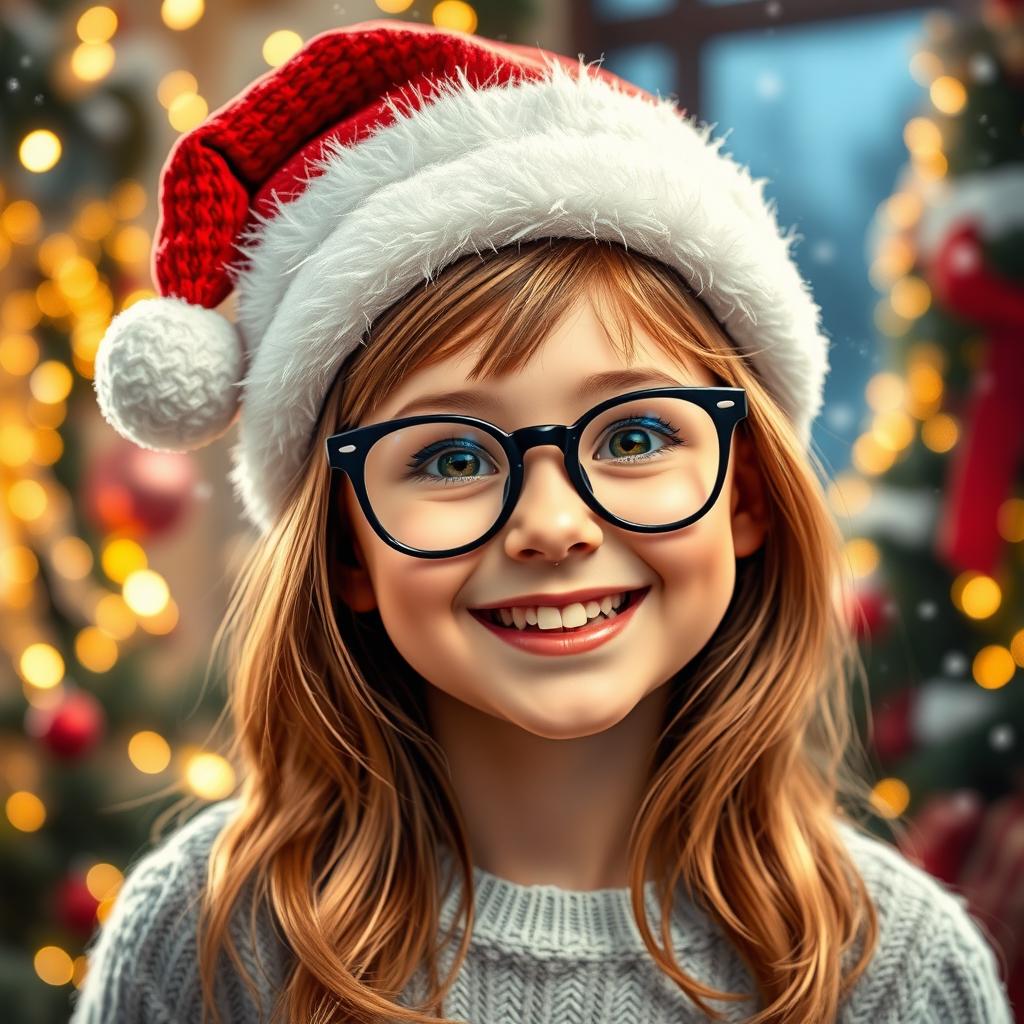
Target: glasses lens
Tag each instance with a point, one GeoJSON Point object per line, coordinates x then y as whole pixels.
{"type": "Point", "coordinates": [436, 486]}
{"type": "Point", "coordinates": [651, 461]}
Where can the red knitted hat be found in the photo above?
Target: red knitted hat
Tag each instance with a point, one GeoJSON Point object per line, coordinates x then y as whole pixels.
{"type": "Point", "coordinates": [376, 156]}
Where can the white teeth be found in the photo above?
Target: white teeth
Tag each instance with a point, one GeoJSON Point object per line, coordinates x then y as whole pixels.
{"type": "Point", "coordinates": [571, 616]}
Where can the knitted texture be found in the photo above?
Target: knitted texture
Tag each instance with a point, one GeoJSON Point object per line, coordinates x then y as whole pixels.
{"type": "Point", "coordinates": [167, 373]}
{"type": "Point", "coordinates": [540, 953]}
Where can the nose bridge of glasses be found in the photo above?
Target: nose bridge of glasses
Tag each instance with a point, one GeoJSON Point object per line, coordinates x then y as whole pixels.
{"type": "Point", "coordinates": [527, 438]}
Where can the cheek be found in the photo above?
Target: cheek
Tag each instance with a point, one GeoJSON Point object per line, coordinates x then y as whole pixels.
{"type": "Point", "coordinates": [697, 567]}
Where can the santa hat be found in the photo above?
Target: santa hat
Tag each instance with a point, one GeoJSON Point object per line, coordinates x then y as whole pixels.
{"type": "Point", "coordinates": [376, 156]}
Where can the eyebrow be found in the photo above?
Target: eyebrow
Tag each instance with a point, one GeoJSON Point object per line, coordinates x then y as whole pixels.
{"type": "Point", "coordinates": [475, 402]}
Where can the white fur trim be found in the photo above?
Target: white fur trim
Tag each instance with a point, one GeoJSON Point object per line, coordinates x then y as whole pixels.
{"type": "Point", "coordinates": [480, 169]}
{"type": "Point", "coordinates": [167, 374]}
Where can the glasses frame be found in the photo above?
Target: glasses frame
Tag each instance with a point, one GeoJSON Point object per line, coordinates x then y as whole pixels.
{"type": "Point", "coordinates": [347, 451]}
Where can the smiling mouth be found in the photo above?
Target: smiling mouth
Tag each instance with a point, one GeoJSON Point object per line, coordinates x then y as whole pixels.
{"type": "Point", "coordinates": [492, 618]}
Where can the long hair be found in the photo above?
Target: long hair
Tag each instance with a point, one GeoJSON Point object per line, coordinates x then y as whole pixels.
{"type": "Point", "coordinates": [344, 795]}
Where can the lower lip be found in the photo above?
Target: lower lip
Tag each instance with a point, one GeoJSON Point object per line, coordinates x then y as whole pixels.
{"type": "Point", "coordinates": [577, 642]}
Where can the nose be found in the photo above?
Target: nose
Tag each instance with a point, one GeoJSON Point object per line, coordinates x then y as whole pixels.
{"type": "Point", "coordinates": [550, 520]}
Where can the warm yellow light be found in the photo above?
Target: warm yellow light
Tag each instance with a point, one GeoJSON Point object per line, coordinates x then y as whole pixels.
{"type": "Point", "coordinates": [96, 25]}
{"type": "Point", "coordinates": [454, 15]}
{"type": "Point", "coordinates": [149, 752]}
{"type": "Point", "coordinates": [54, 250]}
{"type": "Point", "coordinates": [103, 880]}
{"type": "Point", "coordinates": [17, 442]}
{"type": "Point", "coordinates": [145, 592]}
{"type": "Point", "coordinates": [163, 622]}
{"type": "Point", "coordinates": [18, 564]}
{"type": "Point", "coordinates": [22, 222]}
{"type": "Point", "coordinates": [51, 382]}
{"type": "Point", "coordinates": [20, 311]}
{"type": "Point", "coordinates": [1017, 647]}
{"type": "Point", "coordinates": [1011, 520]}
{"type": "Point", "coordinates": [129, 198]}
{"type": "Point", "coordinates": [94, 221]}
{"type": "Point", "coordinates": [39, 150]}
{"type": "Point", "coordinates": [280, 46]}
{"type": "Point", "coordinates": [41, 666]}
{"type": "Point", "coordinates": [95, 650]}
{"type": "Point", "coordinates": [137, 296]}
{"type": "Point", "coordinates": [51, 301]}
{"type": "Point", "coordinates": [940, 433]}
{"type": "Point", "coordinates": [948, 94]}
{"type": "Point", "coordinates": [122, 557]}
{"type": "Point", "coordinates": [885, 392]}
{"type": "Point", "coordinates": [980, 597]}
{"type": "Point", "coordinates": [394, 6]}
{"type": "Point", "coordinates": [888, 322]}
{"type": "Point", "coordinates": [72, 558]}
{"type": "Point", "coordinates": [27, 500]}
{"type": "Point", "coordinates": [863, 555]}
{"type": "Point", "coordinates": [910, 297]}
{"type": "Point", "coordinates": [113, 616]}
{"type": "Point", "coordinates": [896, 258]}
{"type": "Point", "coordinates": [19, 353]}
{"type": "Point", "coordinates": [893, 430]}
{"type": "Point", "coordinates": [131, 245]}
{"type": "Point", "coordinates": [92, 61]}
{"type": "Point", "coordinates": [924, 382]}
{"type": "Point", "coordinates": [181, 14]}
{"type": "Point", "coordinates": [890, 797]}
{"type": "Point", "coordinates": [25, 811]}
{"type": "Point", "coordinates": [993, 667]}
{"type": "Point", "coordinates": [53, 965]}
{"type": "Point", "coordinates": [77, 277]}
{"type": "Point", "coordinates": [922, 136]}
{"type": "Point", "coordinates": [904, 209]}
{"type": "Point", "coordinates": [46, 414]}
{"type": "Point", "coordinates": [175, 84]}
{"type": "Point", "coordinates": [210, 776]}
{"type": "Point", "coordinates": [869, 457]}
{"type": "Point", "coordinates": [47, 447]}
{"type": "Point", "coordinates": [849, 494]}
{"type": "Point", "coordinates": [930, 166]}
{"type": "Point", "coordinates": [187, 111]}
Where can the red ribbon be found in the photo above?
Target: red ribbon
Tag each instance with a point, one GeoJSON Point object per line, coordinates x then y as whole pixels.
{"type": "Point", "coordinates": [986, 461]}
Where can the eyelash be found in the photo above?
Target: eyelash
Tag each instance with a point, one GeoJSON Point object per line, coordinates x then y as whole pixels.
{"type": "Point", "coordinates": [440, 447]}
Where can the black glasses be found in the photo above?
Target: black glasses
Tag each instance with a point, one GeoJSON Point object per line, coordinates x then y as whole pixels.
{"type": "Point", "coordinates": [440, 485]}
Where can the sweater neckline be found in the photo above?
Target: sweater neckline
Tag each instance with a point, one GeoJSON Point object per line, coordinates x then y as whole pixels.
{"type": "Point", "coordinates": [549, 920]}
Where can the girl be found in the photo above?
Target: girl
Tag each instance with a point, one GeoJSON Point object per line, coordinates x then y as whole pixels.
{"type": "Point", "coordinates": [538, 668]}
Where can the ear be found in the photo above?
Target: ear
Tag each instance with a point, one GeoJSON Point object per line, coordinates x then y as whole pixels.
{"type": "Point", "coordinates": [350, 578]}
{"type": "Point", "coordinates": [749, 497]}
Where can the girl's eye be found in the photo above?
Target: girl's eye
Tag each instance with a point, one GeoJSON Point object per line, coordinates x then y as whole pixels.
{"type": "Point", "coordinates": [633, 445]}
{"type": "Point", "coordinates": [456, 459]}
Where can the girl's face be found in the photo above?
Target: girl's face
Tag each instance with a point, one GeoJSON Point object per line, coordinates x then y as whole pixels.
{"type": "Point", "coordinates": [425, 603]}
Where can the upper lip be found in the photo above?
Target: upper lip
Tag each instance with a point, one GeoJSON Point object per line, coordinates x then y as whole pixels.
{"type": "Point", "coordinates": [556, 600]}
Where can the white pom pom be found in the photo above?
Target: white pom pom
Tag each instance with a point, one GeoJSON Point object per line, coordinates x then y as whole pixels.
{"type": "Point", "coordinates": [167, 374]}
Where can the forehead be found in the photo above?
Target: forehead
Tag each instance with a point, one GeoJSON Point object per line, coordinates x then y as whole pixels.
{"type": "Point", "coordinates": [575, 367]}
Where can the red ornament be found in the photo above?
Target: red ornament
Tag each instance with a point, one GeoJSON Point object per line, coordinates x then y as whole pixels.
{"type": "Point", "coordinates": [893, 736]}
{"type": "Point", "coordinates": [866, 614]}
{"type": "Point", "coordinates": [74, 906]}
{"type": "Point", "coordinates": [70, 729]}
{"type": "Point", "coordinates": [138, 493]}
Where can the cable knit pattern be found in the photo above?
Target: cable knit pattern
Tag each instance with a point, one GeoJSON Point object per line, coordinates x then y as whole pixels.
{"type": "Point", "coordinates": [540, 953]}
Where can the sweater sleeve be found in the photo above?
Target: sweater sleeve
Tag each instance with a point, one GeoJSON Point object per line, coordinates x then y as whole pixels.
{"type": "Point", "coordinates": [134, 973]}
{"type": "Point", "coordinates": [961, 982]}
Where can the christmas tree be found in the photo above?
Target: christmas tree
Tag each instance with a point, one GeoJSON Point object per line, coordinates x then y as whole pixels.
{"type": "Point", "coordinates": [933, 505]}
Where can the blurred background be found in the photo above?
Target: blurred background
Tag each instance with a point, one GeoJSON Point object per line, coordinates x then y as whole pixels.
{"type": "Point", "coordinates": [892, 135]}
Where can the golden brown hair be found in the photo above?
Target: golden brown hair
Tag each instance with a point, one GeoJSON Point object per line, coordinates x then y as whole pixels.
{"type": "Point", "coordinates": [344, 795]}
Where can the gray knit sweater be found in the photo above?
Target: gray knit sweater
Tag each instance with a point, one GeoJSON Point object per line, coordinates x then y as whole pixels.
{"type": "Point", "coordinates": [542, 954]}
